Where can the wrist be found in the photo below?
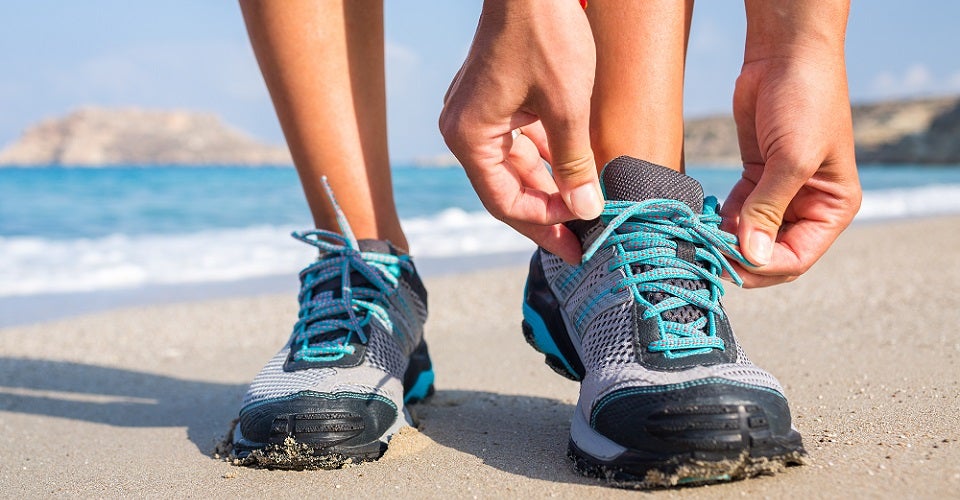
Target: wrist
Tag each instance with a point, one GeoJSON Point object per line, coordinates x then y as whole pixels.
{"type": "Point", "coordinates": [540, 8]}
{"type": "Point", "coordinates": [795, 29]}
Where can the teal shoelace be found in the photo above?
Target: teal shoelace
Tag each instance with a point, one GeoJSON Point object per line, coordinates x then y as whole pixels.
{"type": "Point", "coordinates": [322, 314]}
{"type": "Point", "coordinates": [646, 235]}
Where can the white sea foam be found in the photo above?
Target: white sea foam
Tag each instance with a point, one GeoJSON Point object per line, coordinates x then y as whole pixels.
{"type": "Point", "coordinates": [455, 232]}
{"type": "Point", "coordinates": [914, 202]}
{"type": "Point", "coordinates": [35, 265]}
{"type": "Point", "coordinates": [30, 265]}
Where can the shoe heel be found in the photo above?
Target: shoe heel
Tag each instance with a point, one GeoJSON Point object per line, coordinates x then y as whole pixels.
{"type": "Point", "coordinates": [418, 379]}
{"type": "Point", "coordinates": [540, 339]}
{"type": "Point", "coordinates": [543, 325]}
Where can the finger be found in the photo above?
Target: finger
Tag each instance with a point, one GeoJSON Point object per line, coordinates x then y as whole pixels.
{"type": "Point", "coordinates": [730, 209]}
{"type": "Point", "coordinates": [799, 246]}
{"type": "Point", "coordinates": [505, 187]}
{"type": "Point", "coordinates": [762, 212]}
{"type": "Point", "coordinates": [573, 164]}
{"type": "Point", "coordinates": [506, 197]}
{"type": "Point", "coordinates": [525, 158]}
{"type": "Point", "coordinates": [752, 277]}
{"type": "Point", "coordinates": [538, 136]}
{"type": "Point", "coordinates": [752, 280]}
{"type": "Point", "coordinates": [556, 239]}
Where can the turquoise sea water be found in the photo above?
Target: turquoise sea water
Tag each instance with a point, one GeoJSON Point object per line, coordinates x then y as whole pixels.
{"type": "Point", "coordinates": [64, 229]}
{"type": "Point", "coordinates": [64, 203]}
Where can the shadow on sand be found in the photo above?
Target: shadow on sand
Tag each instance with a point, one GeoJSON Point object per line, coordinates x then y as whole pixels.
{"type": "Point", "coordinates": [522, 435]}
{"type": "Point", "coordinates": [119, 397]}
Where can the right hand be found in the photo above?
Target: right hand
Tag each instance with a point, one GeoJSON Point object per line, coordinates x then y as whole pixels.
{"type": "Point", "coordinates": [799, 189]}
{"type": "Point", "coordinates": [531, 67]}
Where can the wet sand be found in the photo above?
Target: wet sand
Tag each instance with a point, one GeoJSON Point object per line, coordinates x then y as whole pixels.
{"type": "Point", "coordinates": [131, 402]}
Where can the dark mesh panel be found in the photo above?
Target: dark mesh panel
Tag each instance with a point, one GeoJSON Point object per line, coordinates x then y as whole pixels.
{"type": "Point", "coordinates": [683, 314]}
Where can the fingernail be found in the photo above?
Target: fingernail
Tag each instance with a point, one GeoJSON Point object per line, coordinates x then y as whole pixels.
{"type": "Point", "coordinates": [761, 247]}
{"type": "Point", "coordinates": [586, 201]}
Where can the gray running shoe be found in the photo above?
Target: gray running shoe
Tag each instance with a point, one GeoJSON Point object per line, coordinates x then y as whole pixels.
{"type": "Point", "coordinates": [667, 396]}
{"type": "Point", "coordinates": [337, 390]}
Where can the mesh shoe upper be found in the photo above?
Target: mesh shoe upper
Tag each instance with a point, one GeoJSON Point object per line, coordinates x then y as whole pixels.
{"type": "Point", "coordinates": [644, 304]}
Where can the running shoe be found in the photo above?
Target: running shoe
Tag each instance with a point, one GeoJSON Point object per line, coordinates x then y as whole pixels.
{"type": "Point", "coordinates": [338, 389]}
{"type": "Point", "coordinates": [667, 395]}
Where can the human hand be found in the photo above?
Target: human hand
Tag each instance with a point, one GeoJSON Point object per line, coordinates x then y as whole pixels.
{"type": "Point", "coordinates": [799, 187]}
{"type": "Point", "coordinates": [531, 67]}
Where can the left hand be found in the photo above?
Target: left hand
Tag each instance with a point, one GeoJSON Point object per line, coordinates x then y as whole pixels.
{"type": "Point", "coordinates": [531, 67]}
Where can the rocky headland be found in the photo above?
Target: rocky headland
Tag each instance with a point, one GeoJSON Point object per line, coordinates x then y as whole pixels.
{"type": "Point", "coordinates": [919, 131]}
{"type": "Point", "coordinates": [91, 137]}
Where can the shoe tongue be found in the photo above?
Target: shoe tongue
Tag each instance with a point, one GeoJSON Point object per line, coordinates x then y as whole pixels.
{"type": "Point", "coordinates": [630, 179]}
{"type": "Point", "coordinates": [357, 279]}
{"type": "Point", "coordinates": [378, 246]}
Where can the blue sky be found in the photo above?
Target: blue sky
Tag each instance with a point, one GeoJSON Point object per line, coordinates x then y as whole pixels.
{"type": "Point", "coordinates": [194, 54]}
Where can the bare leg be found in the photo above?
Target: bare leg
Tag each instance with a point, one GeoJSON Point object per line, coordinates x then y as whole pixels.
{"type": "Point", "coordinates": [323, 62]}
{"type": "Point", "coordinates": [637, 106]}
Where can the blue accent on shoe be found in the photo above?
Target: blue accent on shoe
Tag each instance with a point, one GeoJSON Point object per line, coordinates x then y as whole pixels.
{"type": "Point", "coordinates": [693, 480]}
{"type": "Point", "coordinates": [421, 388]}
{"type": "Point", "coordinates": [542, 337]}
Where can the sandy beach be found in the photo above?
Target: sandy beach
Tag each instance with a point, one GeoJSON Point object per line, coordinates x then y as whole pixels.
{"type": "Point", "coordinates": [131, 402]}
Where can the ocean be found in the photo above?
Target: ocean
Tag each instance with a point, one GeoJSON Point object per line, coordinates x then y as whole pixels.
{"type": "Point", "coordinates": [71, 230]}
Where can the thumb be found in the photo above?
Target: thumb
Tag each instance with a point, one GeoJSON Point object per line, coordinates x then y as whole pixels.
{"type": "Point", "coordinates": [762, 214]}
{"type": "Point", "coordinates": [574, 168]}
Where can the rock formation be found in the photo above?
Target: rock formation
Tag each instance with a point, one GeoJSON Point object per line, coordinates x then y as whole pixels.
{"type": "Point", "coordinates": [131, 136]}
{"type": "Point", "coordinates": [922, 131]}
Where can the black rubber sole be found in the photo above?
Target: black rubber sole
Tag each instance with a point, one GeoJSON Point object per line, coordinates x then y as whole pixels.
{"type": "Point", "coordinates": [689, 469]}
{"type": "Point", "coordinates": [640, 470]}
{"type": "Point", "coordinates": [292, 455]}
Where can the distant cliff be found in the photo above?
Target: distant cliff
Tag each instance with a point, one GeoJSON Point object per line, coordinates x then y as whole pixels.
{"type": "Point", "coordinates": [131, 136]}
{"type": "Point", "coordinates": [924, 131]}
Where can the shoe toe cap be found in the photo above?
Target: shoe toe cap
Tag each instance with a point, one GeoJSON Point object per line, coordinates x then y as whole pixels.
{"type": "Point", "coordinates": [705, 416]}
{"type": "Point", "coordinates": [319, 420]}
